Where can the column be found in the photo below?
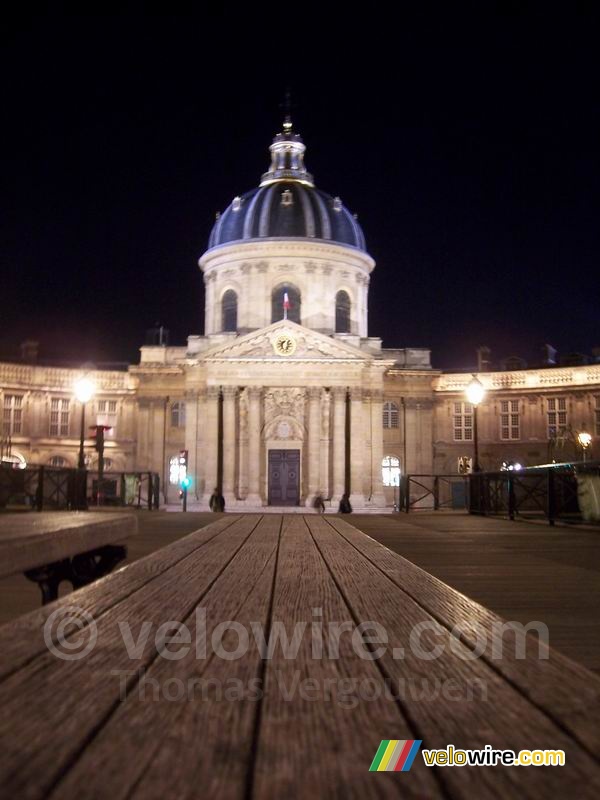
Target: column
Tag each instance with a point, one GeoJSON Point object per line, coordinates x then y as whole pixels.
{"type": "Point", "coordinates": [314, 441]}
{"type": "Point", "coordinates": [339, 443]}
{"type": "Point", "coordinates": [254, 465]}
{"type": "Point", "coordinates": [377, 496]}
{"type": "Point", "coordinates": [325, 485]}
{"type": "Point", "coordinates": [194, 401]}
{"type": "Point", "coordinates": [229, 444]}
{"type": "Point", "coordinates": [357, 446]}
{"type": "Point", "coordinates": [209, 461]}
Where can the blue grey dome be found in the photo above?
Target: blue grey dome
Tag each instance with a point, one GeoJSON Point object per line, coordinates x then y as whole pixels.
{"type": "Point", "coordinates": [287, 210]}
{"type": "Point", "coordinates": [287, 204]}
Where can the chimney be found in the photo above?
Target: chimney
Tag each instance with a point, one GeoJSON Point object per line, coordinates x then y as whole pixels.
{"type": "Point", "coordinates": [548, 355]}
{"type": "Point", "coordinates": [30, 351]}
{"type": "Point", "coordinates": [484, 362]}
{"type": "Point", "coordinates": [158, 335]}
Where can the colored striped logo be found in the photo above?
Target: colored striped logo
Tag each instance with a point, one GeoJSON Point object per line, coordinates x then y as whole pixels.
{"type": "Point", "coordinates": [395, 755]}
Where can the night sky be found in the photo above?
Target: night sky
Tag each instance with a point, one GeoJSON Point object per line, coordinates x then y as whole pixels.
{"type": "Point", "coordinates": [468, 145]}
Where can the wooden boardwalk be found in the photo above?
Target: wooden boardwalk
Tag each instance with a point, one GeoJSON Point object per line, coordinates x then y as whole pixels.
{"type": "Point", "coordinates": [521, 570]}
{"type": "Point", "coordinates": [127, 721]}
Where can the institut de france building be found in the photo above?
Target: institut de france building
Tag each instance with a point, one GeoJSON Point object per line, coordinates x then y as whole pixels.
{"type": "Point", "coordinates": [286, 395]}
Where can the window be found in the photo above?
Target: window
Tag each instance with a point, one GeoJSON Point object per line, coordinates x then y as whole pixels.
{"type": "Point", "coordinates": [59, 416]}
{"type": "Point", "coordinates": [12, 420]}
{"type": "Point", "coordinates": [390, 415]}
{"type": "Point", "coordinates": [106, 414]}
{"type": "Point", "coordinates": [509, 420]}
{"type": "Point", "coordinates": [174, 471]}
{"type": "Point", "coordinates": [294, 303]}
{"type": "Point", "coordinates": [557, 416]}
{"type": "Point", "coordinates": [229, 311]}
{"type": "Point", "coordinates": [178, 415]}
{"type": "Point", "coordinates": [390, 471]}
{"type": "Point", "coordinates": [463, 422]}
{"type": "Point", "coordinates": [57, 461]}
{"type": "Point", "coordinates": [597, 416]}
{"type": "Point", "coordinates": [342, 312]}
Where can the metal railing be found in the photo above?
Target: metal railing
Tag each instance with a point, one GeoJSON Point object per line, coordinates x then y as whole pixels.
{"type": "Point", "coordinates": [433, 492]}
{"type": "Point", "coordinates": [42, 488]}
{"type": "Point", "coordinates": [566, 491]}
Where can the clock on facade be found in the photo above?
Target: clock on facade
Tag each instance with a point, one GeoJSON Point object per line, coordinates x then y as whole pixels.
{"type": "Point", "coordinates": [284, 344]}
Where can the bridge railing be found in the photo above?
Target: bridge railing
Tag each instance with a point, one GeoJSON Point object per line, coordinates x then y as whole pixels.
{"type": "Point", "coordinates": [567, 491]}
{"type": "Point", "coordinates": [433, 492]}
{"type": "Point", "coordinates": [43, 488]}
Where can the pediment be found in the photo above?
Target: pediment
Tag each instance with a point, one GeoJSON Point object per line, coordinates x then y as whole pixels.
{"type": "Point", "coordinates": [308, 346]}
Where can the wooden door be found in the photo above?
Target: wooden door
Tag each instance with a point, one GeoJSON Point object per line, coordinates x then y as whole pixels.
{"type": "Point", "coordinates": [284, 477]}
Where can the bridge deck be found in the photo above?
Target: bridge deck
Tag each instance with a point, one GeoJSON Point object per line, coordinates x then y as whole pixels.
{"type": "Point", "coordinates": [126, 720]}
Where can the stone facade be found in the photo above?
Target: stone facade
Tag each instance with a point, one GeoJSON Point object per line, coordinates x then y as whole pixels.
{"type": "Point", "coordinates": [274, 411]}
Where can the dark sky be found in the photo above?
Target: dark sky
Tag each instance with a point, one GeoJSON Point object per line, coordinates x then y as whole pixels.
{"type": "Point", "coordinates": [468, 144]}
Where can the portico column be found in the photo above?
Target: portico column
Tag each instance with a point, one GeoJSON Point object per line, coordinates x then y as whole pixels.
{"type": "Point", "coordinates": [339, 443]}
{"type": "Point", "coordinates": [254, 470]}
{"type": "Point", "coordinates": [229, 444]}
{"type": "Point", "coordinates": [357, 446]}
{"type": "Point", "coordinates": [314, 440]}
{"type": "Point", "coordinates": [210, 460]}
{"type": "Point", "coordinates": [377, 495]}
{"type": "Point", "coordinates": [191, 441]}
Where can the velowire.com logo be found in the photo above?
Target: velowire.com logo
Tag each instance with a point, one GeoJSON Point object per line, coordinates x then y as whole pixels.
{"type": "Point", "coordinates": [395, 755]}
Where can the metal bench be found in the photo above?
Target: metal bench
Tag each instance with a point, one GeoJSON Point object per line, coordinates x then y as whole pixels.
{"type": "Point", "coordinates": [78, 547]}
{"type": "Point", "coordinates": [126, 720]}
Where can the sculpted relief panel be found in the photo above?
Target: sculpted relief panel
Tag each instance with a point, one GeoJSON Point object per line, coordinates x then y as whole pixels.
{"type": "Point", "coordinates": [284, 414]}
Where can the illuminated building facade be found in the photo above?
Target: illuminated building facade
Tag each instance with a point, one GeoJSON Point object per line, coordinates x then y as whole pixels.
{"type": "Point", "coordinates": [286, 395]}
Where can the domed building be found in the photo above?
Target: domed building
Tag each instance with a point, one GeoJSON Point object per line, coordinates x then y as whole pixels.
{"type": "Point", "coordinates": [286, 395]}
{"type": "Point", "coordinates": [284, 391]}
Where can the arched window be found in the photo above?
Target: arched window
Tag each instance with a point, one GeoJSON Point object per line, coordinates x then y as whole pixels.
{"type": "Point", "coordinates": [229, 311]}
{"type": "Point", "coordinates": [342, 312]}
{"type": "Point", "coordinates": [177, 415]}
{"type": "Point", "coordinates": [390, 415]}
{"type": "Point", "coordinates": [57, 461]}
{"type": "Point", "coordinates": [277, 300]}
{"type": "Point", "coordinates": [390, 471]}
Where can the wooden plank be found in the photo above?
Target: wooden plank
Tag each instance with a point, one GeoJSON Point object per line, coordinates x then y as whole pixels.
{"type": "Point", "coordinates": [34, 540]}
{"type": "Point", "coordinates": [23, 639]}
{"type": "Point", "coordinates": [309, 746]}
{"type": "Point", "coordinates": [563, 689]}
{"type": "Point", "coordinates": [156, 748]}
{"type": "Point", "coordinates": [52, 708]}
{"type": "Point", "coordinates": [502, 718]}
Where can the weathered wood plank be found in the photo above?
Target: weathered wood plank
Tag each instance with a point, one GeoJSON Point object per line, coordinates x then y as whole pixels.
{"type": "Point", "coordinates": [23, 639]}
{"type": "Point", "coordinates": [203, 742]}
{"type": "Point", "coordinates": [308, 745]}
{"type": "Point", "coordinates": [504, 718]}
{"type": "Point", "coordinates": [34, 540]}
{"type": "Point", "coordinates": [565, 690]}
{"type": "Point", "coordinates": [52, 709]}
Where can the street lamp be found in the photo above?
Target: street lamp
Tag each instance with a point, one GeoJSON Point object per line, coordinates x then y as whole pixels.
{"type": "Point", "coordinates": [585, 439]}
{"type": "Point", "coordinates": [475, 393]}
{"type": "Point", "coordinates": [84, 391]}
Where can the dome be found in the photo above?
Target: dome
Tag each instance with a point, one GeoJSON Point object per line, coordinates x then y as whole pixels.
{"type": "Point", "coordinates": [287, 204]}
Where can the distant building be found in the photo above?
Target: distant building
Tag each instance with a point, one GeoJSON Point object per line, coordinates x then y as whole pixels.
{"type": "Point", "coordinates": [286, 395]}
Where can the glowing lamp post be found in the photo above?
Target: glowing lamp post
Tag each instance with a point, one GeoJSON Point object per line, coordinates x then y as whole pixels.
{"type": "Point", "coordinates": [585, 439]}
{"type": "Point", "coordinates": [84, 391]}
{"type": "Point", "coordinates": [475, 393]}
